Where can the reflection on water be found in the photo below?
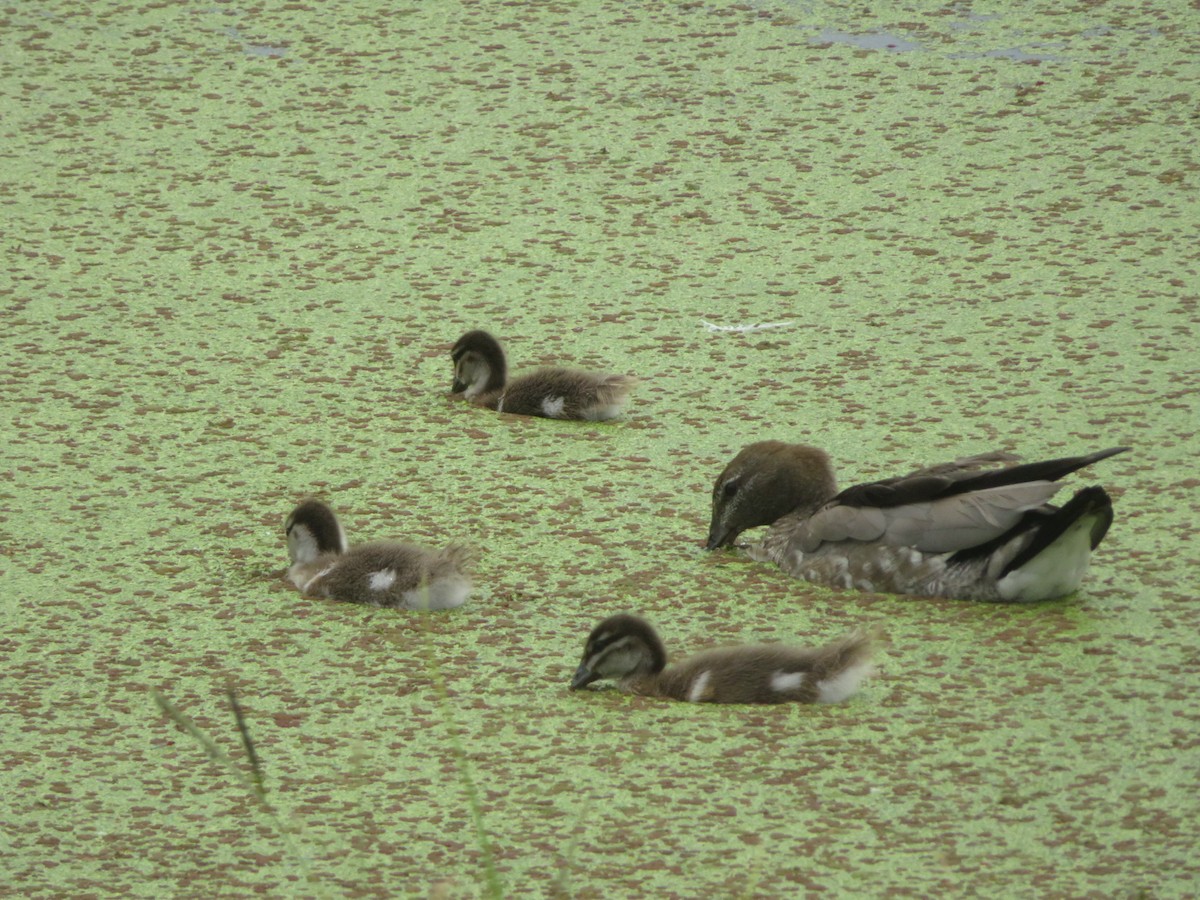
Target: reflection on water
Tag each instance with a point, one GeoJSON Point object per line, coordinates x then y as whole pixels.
{"type": "Point", "coordinates": [269, 50]}
{"type": "Point", "coordinates": [870, 40]}
{"type": "Point", "coordinates": [1014, 53]}
{"type": "Point", "coordinates": [962, 35]}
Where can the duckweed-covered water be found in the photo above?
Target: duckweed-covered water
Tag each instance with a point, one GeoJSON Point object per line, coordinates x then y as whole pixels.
{"type": "Point", "coordinates": [238, 243]}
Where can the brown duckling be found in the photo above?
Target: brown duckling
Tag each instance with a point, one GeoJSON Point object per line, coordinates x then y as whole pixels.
{"type": "Point", "coordinates": [380, 573]}
{"type": "Point", "coordinates": [627, 649]}
{"type": "Point", "coordinates": [481, 376]}
{"type": "Point", "coordinates": [957, 529]}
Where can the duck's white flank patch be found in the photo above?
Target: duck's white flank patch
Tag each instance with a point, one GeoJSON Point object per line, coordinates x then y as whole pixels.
{"type": "Point", "coordinates": [844, 684]}
{"type": "Point", "coordinates": [782, 682]}
{"type": "Point", "coordinates": [552, 407]}
{"type": "Point", "coordinates": [383, 579]}
{"type": "Point", "coordinates": [1056, 571]}
{"type": "Point", "coordinates": [699, 686]}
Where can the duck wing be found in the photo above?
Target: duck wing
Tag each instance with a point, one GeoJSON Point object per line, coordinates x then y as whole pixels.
{"type": "Point", "coordinates": [940, 513]}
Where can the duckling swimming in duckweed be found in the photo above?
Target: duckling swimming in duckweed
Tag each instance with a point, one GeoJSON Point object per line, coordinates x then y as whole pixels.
{"type": "Point", "coordinates": [958, 529]}
{"type": "Point", "coordinates": [380, 573]}
{"type": "Point", "coordinates": [628, 650]}
{"type": "Point", "coordinates": [481, 376]}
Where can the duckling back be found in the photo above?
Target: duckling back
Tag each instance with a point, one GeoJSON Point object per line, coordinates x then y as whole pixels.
{"type": "Point", "coordinates": [389, 574]}
{"type": "Point", "coordinates": [767, 673]}
{"type": "Point", "coordinates": [566, 394]}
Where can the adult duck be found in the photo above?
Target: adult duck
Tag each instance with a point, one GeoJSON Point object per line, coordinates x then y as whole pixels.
{"type": "Point", "coordinates": [960, 529]}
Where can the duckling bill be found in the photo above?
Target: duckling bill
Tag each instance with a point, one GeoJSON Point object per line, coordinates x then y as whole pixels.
{"type": "Point", "coordinates": [963, 529]}
{"type": "Point", "coordinates": [380, 573]}
{"type": "Point", "coordinates": [628, 650]}
{"type": "Point", "coordinates": [481, 376]}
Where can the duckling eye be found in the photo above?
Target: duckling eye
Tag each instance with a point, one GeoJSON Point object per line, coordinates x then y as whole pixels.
{"type": "Point", "coordinates": [730, 489]}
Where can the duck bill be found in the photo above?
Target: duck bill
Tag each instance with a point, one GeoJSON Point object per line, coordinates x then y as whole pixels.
{"type": "Point", "coordinates": [719, 537]}
{"type": "Point", "coordinates": [583, 677]}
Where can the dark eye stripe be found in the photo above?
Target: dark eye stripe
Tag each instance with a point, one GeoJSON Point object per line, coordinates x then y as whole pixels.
{"type": "Point", "coordinates": [606, 641]}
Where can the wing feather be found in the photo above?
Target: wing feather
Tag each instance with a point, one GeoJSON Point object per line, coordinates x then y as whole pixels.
{"type": "Point", "coordinates": [944, 525]}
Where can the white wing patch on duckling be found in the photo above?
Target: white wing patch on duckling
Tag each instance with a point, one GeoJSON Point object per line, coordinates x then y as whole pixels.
{"type": "Point", "coordinates": [782, 682]}
{"type": "Point", "coordinates": [696, 693]}
{"type": "Point", "coordinates": [552, 407]}
{"type": "Point", "coordinates": [383, 579]}
{"type": "Point", "coordinates": [844, 684]}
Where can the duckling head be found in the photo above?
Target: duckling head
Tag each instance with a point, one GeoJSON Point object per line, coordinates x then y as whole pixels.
{"type": "Point", "coordinates": [479, 364]}
{"type": "Point", "coordinates": [618, 647]}
{"type": "Point", "coordinates": [313, 529]}
{"type": "Point", "coordinates": [764, 482]}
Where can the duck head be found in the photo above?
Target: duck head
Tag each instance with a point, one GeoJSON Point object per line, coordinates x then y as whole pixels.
{"type": "Point", "coordinates": [313, 529]}
{"type": "Point", "coordinates": [479, 364]}
{"type": "Point", "coordinates": [618, 647]}
{"type": "Point", "coordinates": [764, 482]}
